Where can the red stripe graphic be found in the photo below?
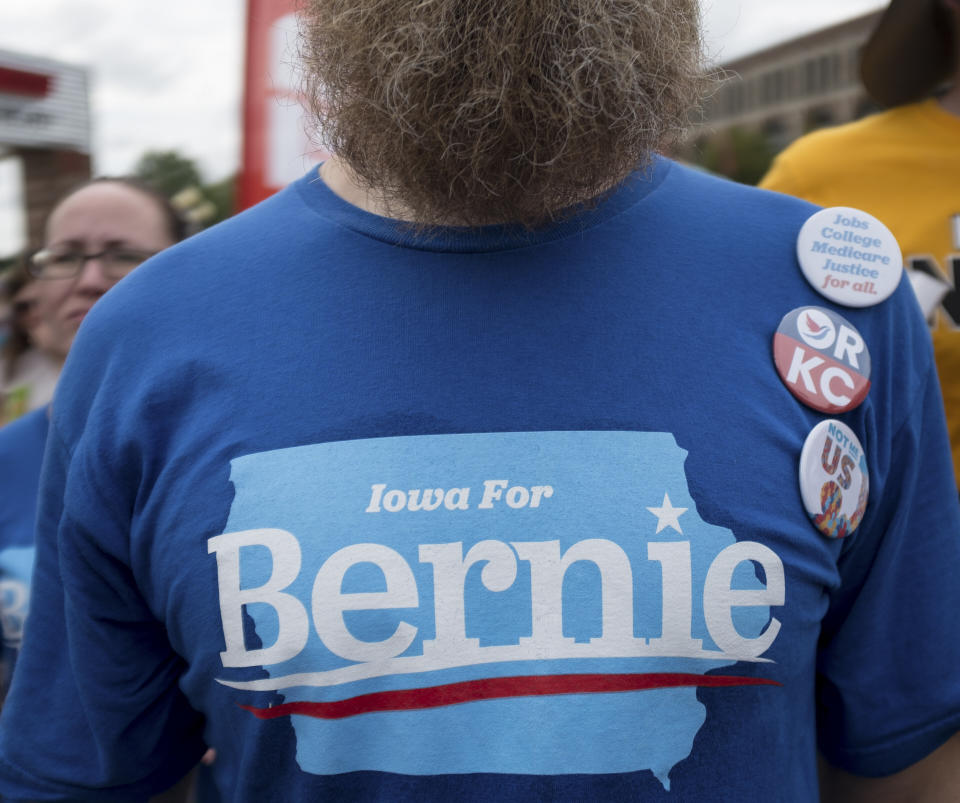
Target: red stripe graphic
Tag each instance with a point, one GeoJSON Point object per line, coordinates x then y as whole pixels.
{"type": "Point", "coordinates": [497, 688]}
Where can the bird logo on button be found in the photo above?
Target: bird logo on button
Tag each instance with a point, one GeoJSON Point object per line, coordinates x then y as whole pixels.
{"type": "Point", "coordinates": [822, 359]}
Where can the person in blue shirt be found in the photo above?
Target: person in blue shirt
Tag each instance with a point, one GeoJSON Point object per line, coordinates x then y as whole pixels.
{"type": "Point", "coordinates": [95, 236]}
{"type": "Point", "coordinates": [461, 468]}
{"type": "Point", "coordinates": [22, 443]}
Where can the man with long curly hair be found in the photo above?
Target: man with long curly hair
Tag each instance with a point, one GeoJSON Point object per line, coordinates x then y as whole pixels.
{"type": "Point", "coordinates": [460, 468]}
{"type": "Point", "coordinates": [471, 113]}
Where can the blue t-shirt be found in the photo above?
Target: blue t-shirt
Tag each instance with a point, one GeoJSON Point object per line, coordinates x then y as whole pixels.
{"type": "Point", "coordinates": [384, 513]}
{"type": "Point", "coordinates": [21, 453]}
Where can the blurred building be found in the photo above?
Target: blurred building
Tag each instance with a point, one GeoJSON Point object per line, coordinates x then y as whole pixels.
{"type": "Point", "coordinates": [45, 123]}
{"type": "Point", "coordinates": [770, 97]}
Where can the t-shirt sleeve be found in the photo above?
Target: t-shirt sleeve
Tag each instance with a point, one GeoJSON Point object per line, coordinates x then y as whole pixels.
{"type": "Point", "coordinates": [888, 689]}
{"type": "Point", "coordinates": [77, 725]}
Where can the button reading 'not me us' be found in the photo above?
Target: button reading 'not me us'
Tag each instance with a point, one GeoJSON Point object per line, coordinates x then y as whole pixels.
{"type": "Point", "coordinates": [834, 479]}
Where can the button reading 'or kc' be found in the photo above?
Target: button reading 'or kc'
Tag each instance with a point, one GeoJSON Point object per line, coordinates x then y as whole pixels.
{"type": "Point", "coordinates": [822, 359]}
{"type": "Point", "coordinates": [849, 256]}
{"type": "Point", "coordinates": [834, 483]}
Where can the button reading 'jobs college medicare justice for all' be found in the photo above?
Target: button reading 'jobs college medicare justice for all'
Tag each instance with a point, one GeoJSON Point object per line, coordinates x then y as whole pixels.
{"type": "Point", "coordinates": [822, 359]}
{"type": "Point", "coordinates": [849, 256]}
{"type": "Point", "coordinates": [834, 483]}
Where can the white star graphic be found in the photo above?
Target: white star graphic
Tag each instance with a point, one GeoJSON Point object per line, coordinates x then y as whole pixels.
{"type": "Point", "coordinates": [668, 515]}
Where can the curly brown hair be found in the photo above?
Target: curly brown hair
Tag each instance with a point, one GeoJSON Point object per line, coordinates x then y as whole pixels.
{"type": "Point", "coordinates": [468, 112]}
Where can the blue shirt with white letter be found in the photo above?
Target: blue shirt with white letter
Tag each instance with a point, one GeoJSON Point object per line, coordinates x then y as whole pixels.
{"type": "Point", "coordinates": [492, 513]}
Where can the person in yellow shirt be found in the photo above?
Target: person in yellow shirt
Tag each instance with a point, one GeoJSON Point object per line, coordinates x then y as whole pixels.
{"type": "Point", "coordinates": [902, 165]}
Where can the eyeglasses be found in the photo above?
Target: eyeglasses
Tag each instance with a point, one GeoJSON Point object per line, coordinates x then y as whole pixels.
{"type": "Point", "coordinates": [115, 262]}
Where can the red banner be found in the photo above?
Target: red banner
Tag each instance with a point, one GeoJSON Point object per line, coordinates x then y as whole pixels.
{"type": "Point", "coordinates": [276, 149]}
{"type": "Point", "coordinates": [21, 82]}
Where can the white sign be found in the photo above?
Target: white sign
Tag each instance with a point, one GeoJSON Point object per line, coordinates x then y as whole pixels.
{"type": "Point", "coordinates": [43, 103]}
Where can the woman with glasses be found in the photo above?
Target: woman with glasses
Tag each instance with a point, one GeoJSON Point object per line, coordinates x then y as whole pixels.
{"type": "Point", "coordinates": [94, 236]}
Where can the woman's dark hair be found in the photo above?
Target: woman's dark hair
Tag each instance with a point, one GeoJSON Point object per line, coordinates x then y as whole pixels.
{"type": "Point", "coordinates": [177, 226]}
{"type": "Point", "coordinates": [17, 341]}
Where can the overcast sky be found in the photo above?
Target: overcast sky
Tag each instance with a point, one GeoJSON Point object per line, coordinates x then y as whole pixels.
{"type": "Point", "coordinates": [167, 75]}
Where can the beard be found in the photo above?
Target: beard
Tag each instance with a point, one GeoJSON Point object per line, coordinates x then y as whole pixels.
{"type": "Point", "coordinates": [471, 112]}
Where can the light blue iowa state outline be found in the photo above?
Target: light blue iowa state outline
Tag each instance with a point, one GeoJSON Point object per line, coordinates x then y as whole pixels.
{"type": "Point", "coordinates": [603, 484]}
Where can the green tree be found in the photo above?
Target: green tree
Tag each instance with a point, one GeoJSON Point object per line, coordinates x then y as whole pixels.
{"type": "Point", "coordinates": [741, 154]}
{"type": "Point", "coordinates": [179, 178]}
{"type": "Point", "coordinates": [168, 171]}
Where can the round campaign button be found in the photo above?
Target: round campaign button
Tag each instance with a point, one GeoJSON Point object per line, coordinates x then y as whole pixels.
{"type": "Point", "coordinates": [822, 359]}
{"type": "Point", "coordinates": [834, 483]}
{"type": "Point", "coordinates": [849, 256]}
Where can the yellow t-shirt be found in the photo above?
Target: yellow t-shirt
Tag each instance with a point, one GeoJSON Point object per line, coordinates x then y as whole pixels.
{"type": "Point", "coordinates": [903, 167]}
